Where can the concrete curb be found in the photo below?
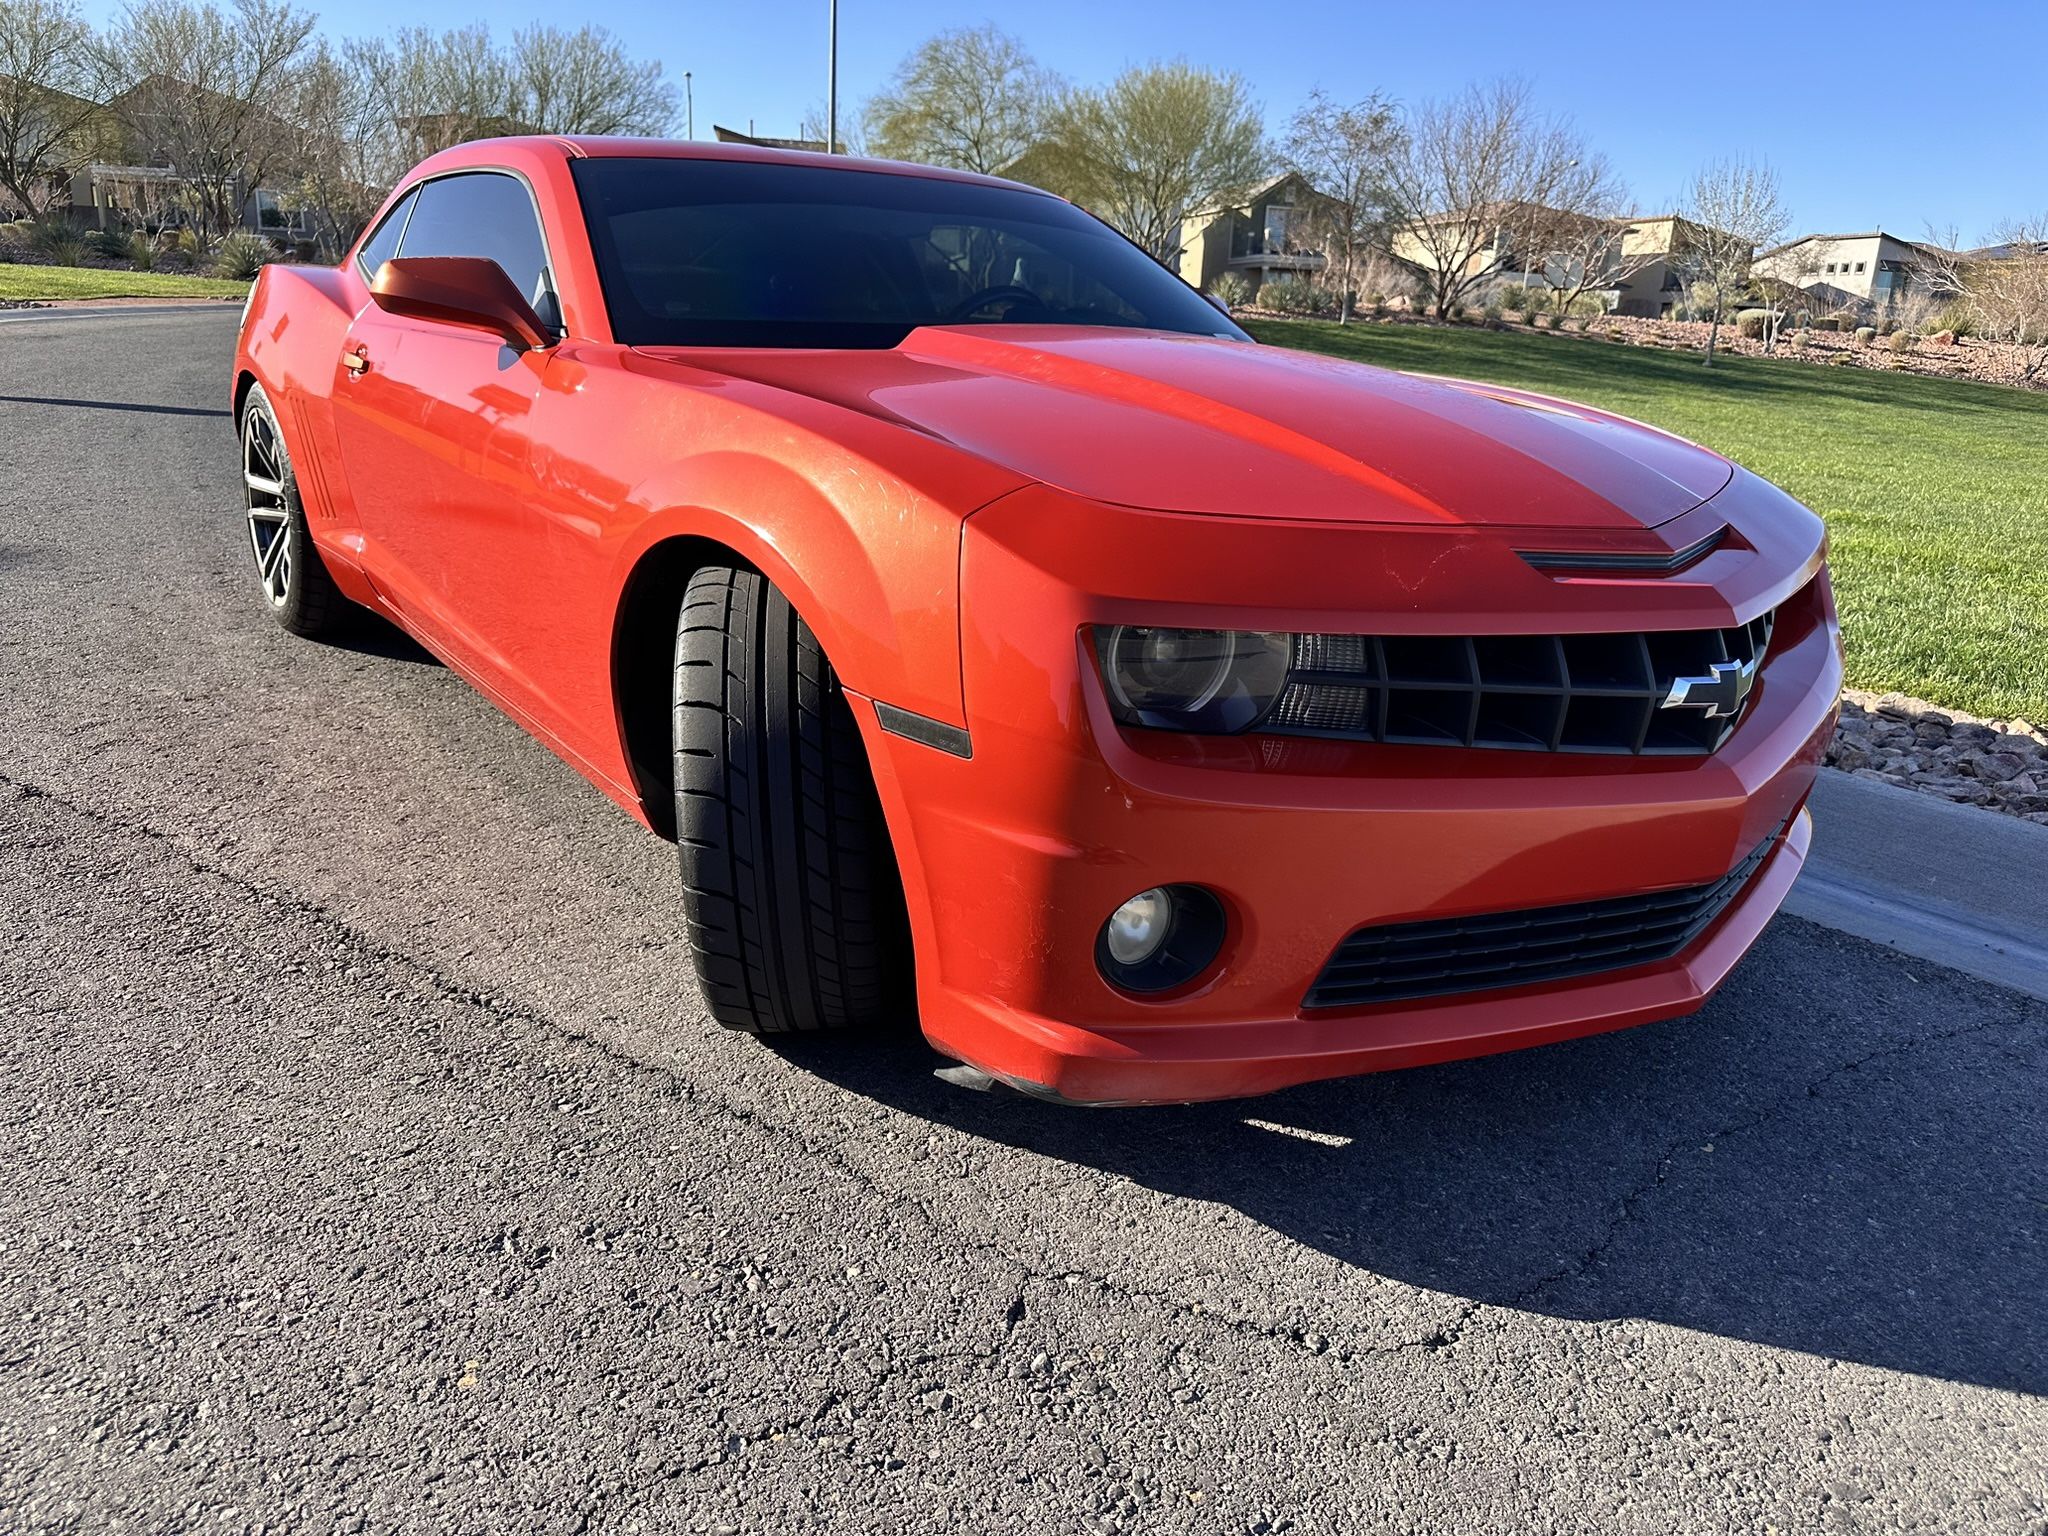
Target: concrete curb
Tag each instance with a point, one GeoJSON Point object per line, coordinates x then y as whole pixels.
{"type": "Point", "coordinates": [1953, 884]}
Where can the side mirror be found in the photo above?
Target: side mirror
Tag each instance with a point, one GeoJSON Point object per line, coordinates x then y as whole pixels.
{"type": "Point", "coordinates": [1220, 305]}
{"type": "Point", "coordinates": [470, 291]}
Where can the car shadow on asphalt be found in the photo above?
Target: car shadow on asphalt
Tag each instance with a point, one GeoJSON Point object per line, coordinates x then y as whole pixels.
{"type": "Point", "coordinates": [117, 405]}
{"type": "Point", "coordinates": [367, 634]}
{"type": "Point", "coordinates": [1841, 1155]}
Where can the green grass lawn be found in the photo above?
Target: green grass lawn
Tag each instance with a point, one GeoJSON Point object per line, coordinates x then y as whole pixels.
{"type": "Point", "coordinates": [1935, 492]}
{"type": "Point", "coordinates": [25, 282]}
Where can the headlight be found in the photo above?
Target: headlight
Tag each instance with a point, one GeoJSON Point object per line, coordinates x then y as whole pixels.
{"type": "Point", "coordinates": [1210, 681]}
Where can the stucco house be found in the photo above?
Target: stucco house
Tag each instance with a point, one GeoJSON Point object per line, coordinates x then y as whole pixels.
{"type": "Point", "coordinates": [1261, 233]}
{"type": "Point", "coordinates": [1871, 270]}
{"type": "Point", "coordinates": [1645, 270]}
{"type": "Point", "coordinates": [1655, 263]}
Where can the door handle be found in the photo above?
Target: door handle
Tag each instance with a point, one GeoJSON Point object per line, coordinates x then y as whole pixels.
{"type": "Point", "coordinates": [356, 362]}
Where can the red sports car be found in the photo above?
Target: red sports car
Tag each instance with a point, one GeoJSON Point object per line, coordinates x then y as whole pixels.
{"type": "Point", "coordinates": [1000, 632]}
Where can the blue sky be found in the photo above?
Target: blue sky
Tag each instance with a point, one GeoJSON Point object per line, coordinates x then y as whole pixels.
{"type": "Point", "coordinates": [1904, 119]}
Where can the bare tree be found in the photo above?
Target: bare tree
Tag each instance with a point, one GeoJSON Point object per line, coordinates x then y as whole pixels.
{"type": "Point", "coordinates": [1732, 210]}
{"type": "Point", "coordinates": [444, 88]}
{"type": "Point", "coordinates": [54, 74]}
{"type": "Point", "coordinates": [208, 83]}
{"type": "Point", "coordinates": [337, 169]}
{"type": "Point", "coordinates": [584, 82]}
{"type": "Point", "coordinates": [971, 98]}
{"type": "Point", "coordinates": [1341, 151]}
{"type": "Point", "coordinates": [2004, 285]}
{"type": "Point", "coordinates": [1575, 239]}
{"type": "Point", "coordinates": [1471, 179]}
{"type": "Point", "coordinates": [1157, 143]}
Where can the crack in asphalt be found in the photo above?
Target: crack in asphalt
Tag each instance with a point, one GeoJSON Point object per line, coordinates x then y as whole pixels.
{"type": "Point", "coordinates": [1630, 1213]}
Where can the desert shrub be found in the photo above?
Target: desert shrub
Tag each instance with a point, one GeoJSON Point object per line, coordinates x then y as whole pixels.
{"type": "Point", "coordinates": [1233, 288]}
{"type": "Point", "coordinates": [1752, 324]}
{"type": "Point", "coordinates": [1902, 341]}
{"type": "Point", "coordinates": [1957, 318]}
{"type": "Point", "coordinates": [1287, 296]}
{"type": "Point", "coordinates": [141, 250]}
{"type": "Point", "coordinates": [1582, 322]}
{"type": "Point", "coordinates": [110, 243]}
{"type": "Point", "coordinates": [1840, 360]}
{"type": "Point", "coordinates": [1825, 323]}
{"type": "Point", "coordinates": [58, 242]}
{"type": "Point", "coordinates": [1865, 335]}
{"type": "Point", "coordinates": [242, 255]}
{"type": "Point", "coordinates": [1886, 326]}
{"type": "Point", "coordinates": [1491, 314]}
{"type": "Point", "coordinates": [1458, 311]}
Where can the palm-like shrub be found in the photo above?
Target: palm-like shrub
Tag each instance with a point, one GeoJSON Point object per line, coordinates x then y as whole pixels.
{"type": "Point", "coordinates": [59, 243]}
{"type": "Point", "coordinates": [1233, 288]}
{"type": "Point", "coordinates": [1293, 296]}
{"type": "Point", "coordinates": [242, 255]}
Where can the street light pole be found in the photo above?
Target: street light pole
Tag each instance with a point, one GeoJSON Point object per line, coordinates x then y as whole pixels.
{"type": "Point", "coordinates": [689, 109]}
{"type": "Point", "coordinates": [832, 80]}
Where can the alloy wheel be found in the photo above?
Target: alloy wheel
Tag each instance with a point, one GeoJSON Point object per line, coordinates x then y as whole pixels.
{"type": "Point", "coordinates": [270, 513]}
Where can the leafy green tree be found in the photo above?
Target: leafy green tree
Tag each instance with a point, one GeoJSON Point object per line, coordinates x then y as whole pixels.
{"type": "Point", "coordinates": [1155, 145]}
{"type": "Point", "coordinates": [971, 98]}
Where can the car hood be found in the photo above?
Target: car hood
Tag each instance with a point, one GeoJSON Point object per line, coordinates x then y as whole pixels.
{"type": "Point", "coordinates": [1232, 429]}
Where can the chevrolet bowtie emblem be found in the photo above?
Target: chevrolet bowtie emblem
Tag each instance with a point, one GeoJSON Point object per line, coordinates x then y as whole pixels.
{"type": "Point", "coordinates": [1720, 692]}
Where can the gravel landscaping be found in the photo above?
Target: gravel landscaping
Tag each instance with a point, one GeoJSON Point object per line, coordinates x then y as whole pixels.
{"type": "Point", "coordinates": [2001, 765]}
{"type": "Point", "coordinates": [1944, 355]}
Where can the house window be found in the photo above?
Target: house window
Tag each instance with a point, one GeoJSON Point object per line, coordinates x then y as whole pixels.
{"type": "Point", "coordinates": [1831, 268]}
{"type": "Point", "coordinates": [1859, 266]}
{"type": "Point", "coordinates": [1277, 217]}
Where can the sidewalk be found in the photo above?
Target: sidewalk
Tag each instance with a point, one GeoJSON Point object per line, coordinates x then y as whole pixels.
{"type": "Point", "coordinates": [1949, 883]}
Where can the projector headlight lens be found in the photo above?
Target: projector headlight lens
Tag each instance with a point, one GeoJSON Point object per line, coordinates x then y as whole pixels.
{"type": "Point", "coordinates": [1209, 681]}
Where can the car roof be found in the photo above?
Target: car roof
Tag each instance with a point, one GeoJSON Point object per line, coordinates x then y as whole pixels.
{"type": "Point", "coordinates": [602, 147]}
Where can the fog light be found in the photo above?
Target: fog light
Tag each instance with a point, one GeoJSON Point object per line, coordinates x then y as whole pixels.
{"type": "Point", "coordinates": [1138, 927]}
{"type": "Point", "coordinates": [1160, 939]}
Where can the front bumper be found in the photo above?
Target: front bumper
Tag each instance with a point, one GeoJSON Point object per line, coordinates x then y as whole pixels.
{"type": "Point", "coordinates": [1013, 858]}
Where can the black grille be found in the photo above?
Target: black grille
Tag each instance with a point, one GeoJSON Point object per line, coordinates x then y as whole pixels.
{"type": "Point", "coordinates": [1534, 693]}
{"type": "Point", "coordinates": [1515, 949]}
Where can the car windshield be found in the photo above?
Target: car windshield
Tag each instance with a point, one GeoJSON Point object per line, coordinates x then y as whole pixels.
{"type": "Point", "coordinates": [738, 253]}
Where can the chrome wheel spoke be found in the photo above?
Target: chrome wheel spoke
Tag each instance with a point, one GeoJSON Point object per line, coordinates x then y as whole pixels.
{"type": "Point", "coordinates": [264, 486]}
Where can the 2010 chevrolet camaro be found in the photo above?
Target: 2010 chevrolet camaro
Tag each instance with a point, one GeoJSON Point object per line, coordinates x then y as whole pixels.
{"type": "Point", "coordinates": [996, 628]}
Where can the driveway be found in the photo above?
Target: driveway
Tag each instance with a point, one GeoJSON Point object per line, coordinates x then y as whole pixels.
{"type": "Point", "coordinates": [367, 1162]}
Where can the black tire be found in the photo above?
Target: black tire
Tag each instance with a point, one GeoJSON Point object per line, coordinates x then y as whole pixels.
{"type": "Point", "coordinates": [790, 887]}
{"type": "Point", "coordinates": [293, 581]}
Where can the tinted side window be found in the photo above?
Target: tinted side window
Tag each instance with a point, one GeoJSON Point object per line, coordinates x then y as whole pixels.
{"type": "Point", "coordinates": [383, 245]}
{"type": "Point", "coordinates": [483, 214]}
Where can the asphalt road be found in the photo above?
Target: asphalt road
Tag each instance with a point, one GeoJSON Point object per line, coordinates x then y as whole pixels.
{"type": "Point", "coordinates": [367, 1163]}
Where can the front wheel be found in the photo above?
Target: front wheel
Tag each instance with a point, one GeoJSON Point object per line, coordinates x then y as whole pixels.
{"type": "Point", "coordinates": [295, 584]}
{"type": "Point", "coordinates": [790, 888]}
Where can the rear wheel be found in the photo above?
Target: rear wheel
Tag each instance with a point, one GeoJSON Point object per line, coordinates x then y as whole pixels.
{"type": "Point", "coordinates": [295, 584]}
{"type": "Point", "coordinates": [789, 886]}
